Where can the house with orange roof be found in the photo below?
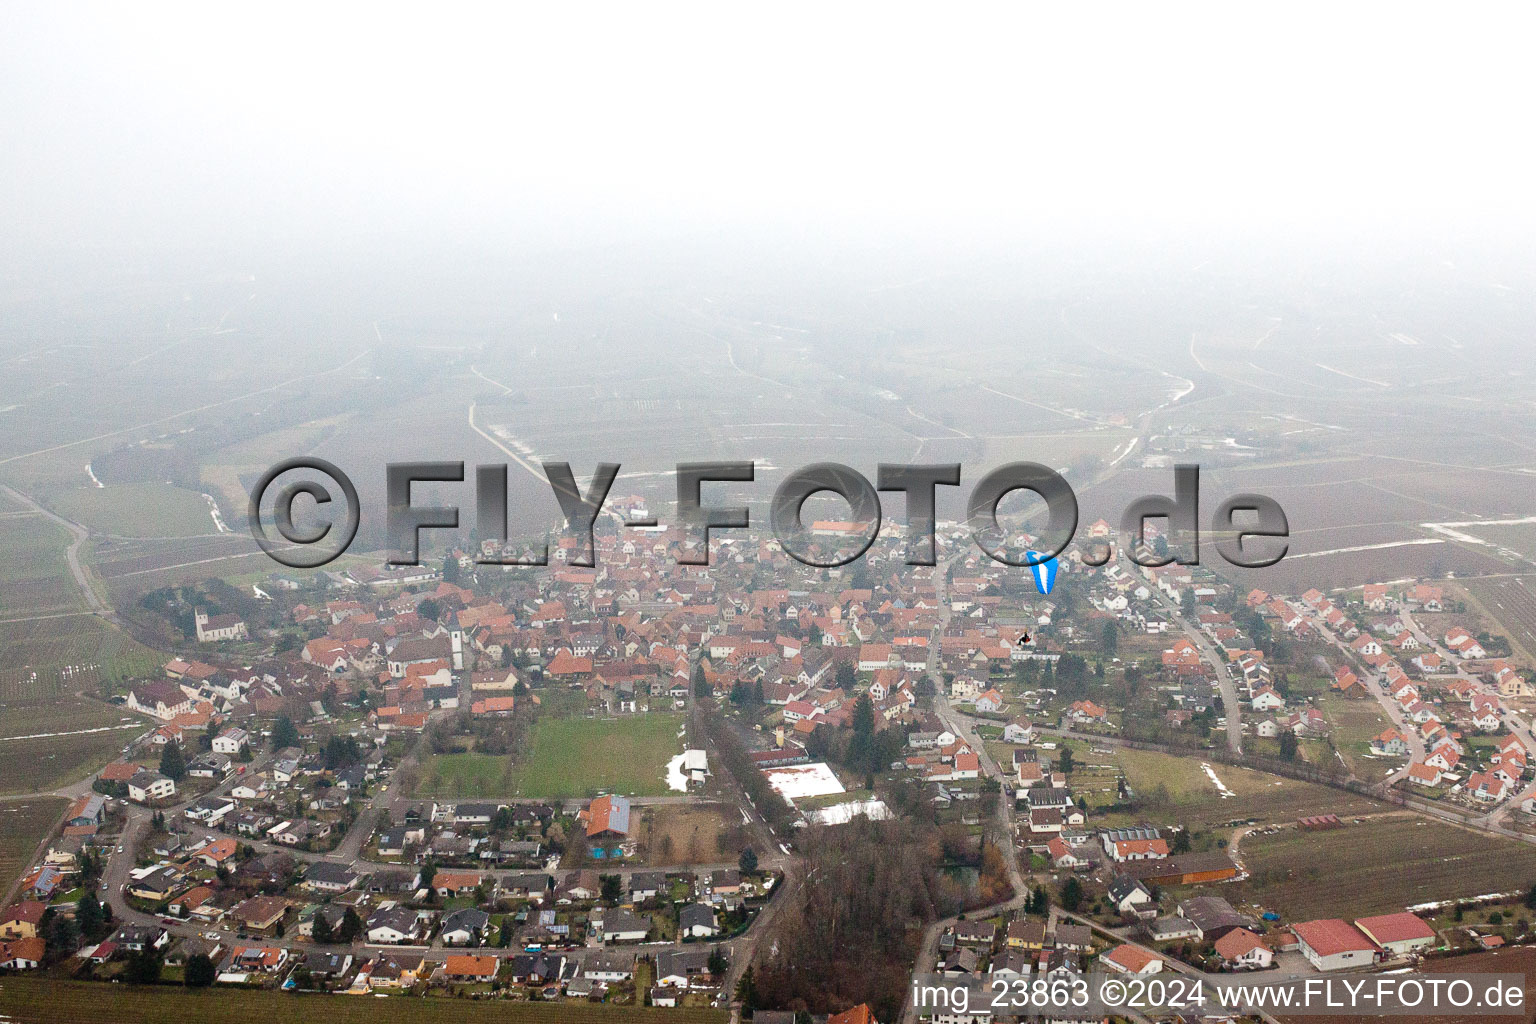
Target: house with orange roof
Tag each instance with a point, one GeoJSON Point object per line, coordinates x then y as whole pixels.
{"type": "Point", "coordinates": [1086, 712]}
{"type": "Point", "coordinates": [1133, 960]}
{"type": "Point", "coordinates": [218, 853]}
{"type": "Point", "coordinates": [470, 968]}
{"type": "Point", "coordinates": [493, 706]}
{"type": "Point", "coordinates": [565, 665]}
{"type": "Point", "coordinates": [1346, 682]}
{"type": "Point", "coordinates": [1241, 949]}
{"type": "Point", "coordinates": [1445, 757]}
{"type": "Point", "coordinates": [989, 703]}
{"type": "Point", "coordinates": [860, 1014]}
{"type": "Point", "coordinates": [22, 954]}
{"type": "Point", "coordinates": [1486, 787]}
{"type": "Point", "coordinates": [22, 920]}
{"type": "Point", "coordinates": [1423, 774]}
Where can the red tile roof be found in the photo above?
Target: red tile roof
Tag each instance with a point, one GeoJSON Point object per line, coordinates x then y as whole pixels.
{"type": "Point", "coordinates": [1331, 936]}
{"type": "Point", "coordinates": [1399, 927]}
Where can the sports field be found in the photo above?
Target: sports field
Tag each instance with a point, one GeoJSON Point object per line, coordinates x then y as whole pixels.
{"type": "Point", "coordinates": [33, 1001]}
{"type": "Point", "coordinates": [575, 757]}
{"type": "Point", "coordinates": [1383, 864]}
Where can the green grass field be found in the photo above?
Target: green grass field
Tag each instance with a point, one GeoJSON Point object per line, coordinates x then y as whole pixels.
{"type": "Point", "coordinates": [23, 824]}
{"type": "Point", "coordinates": [136, 510]}
{"type": "Point", "coordinates": [575, 757]}
{"type": "Point", "coordinates": [1383, 864]}
{"type": "Point", "coordinates": [1355, 722]}
{"type": "Point", "coordinates": [457, 776]}
{"type": "Point", "coordinates": [33, 1001]}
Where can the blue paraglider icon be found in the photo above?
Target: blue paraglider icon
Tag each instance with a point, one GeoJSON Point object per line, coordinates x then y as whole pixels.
{"type": "Point", "coordinates": [1043, 569]}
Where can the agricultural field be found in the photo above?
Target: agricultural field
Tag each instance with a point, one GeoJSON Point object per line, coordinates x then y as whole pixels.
{"type": "Point", "coordinates": [131, 567]}
{"type": "Point", "coordinates": [36, 580]}
{"type": "Point", "coordinates": [1511, 602]}
{"type": "Point", "coordinates": [1518, 960]}
{"type": "Point", "coordinates": [33, 1001]}
{"type": "Point", "coordinates": [1177, 790]}
{"type": "Point", "coordinates": [49, 642]}
{"type": "Point", "coordinates": [23, 825]}
{"type": "Point", "coordinates": [576, 757]}
{"type": "Point", "coordinates": [1384, 864]}
{"type": "Point", "coordinates": [136, 510]}
{"type": "Point", "coordinates": [53, 656]}
{"type": "Point", "coordinates": [1519, 537]}
{"type": "Point", "coordinates": [47, 744]}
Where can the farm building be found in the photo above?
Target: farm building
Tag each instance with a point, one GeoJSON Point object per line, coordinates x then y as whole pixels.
{"type": "Point", "coordinates": [1398, 933]}
{"type": "Point", "coordinates": [1319, 822]}
{"type": "Point", "coordinates": [1185, 869]}
{"type": "Point", "coordinates": [1334, 945]}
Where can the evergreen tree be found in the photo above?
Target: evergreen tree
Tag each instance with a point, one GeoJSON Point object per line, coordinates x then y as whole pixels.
{"type": "Point", "coordinates": [847, 676]}
{"type": "Point", "coordinates": [862, 751]}
{"type": "Point", "coordinates": [144, 968]}
{"type": "Point", "coordinates": [747, 861]}
{"type": "Point", "coordinates": [1072, 894]}
{"type": "Point", "coordinates": [61, 934]}
{"type": "Point", "coordinates": [746, 989]}
{"type": "Point", "coordinates": [1110, 638]}
{"type": "Point", "coordinates": [173, 764]}
{"type": "Point", "coordinates": [351, 926]}
{"type": "Point", "coordinates": [322, 930]}
{"type": "Point", "coordinates": [89, 916]}
{"type": "Point", "coordinates": [284, 733]}
{"type": "Point", "coordinates": [1288, 746]}
{"type": "Point", "coordinates": [200, 971]}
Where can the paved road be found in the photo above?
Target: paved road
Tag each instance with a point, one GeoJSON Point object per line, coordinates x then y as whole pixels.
{"type": "Point", "coordinates": [1394, 713]}
{"type": "Point", "coordinates": [1229, 702]}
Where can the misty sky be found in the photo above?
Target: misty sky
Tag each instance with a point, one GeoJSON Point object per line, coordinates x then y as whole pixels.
{"type": "Point", "coordinates": [171, 124]}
